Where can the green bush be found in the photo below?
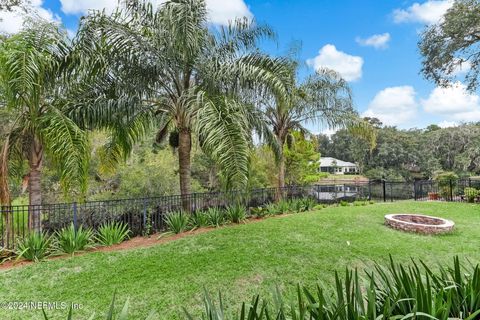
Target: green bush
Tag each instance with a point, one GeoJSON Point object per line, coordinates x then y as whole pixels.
{"type": "Point", "coordinates": [344, 203]}
{"type": "Point", "coordinates": [215, 217]}
{"type": "Point", "coordinates": [318, 207]}
{"type": "Point", "coordinates": [199, 219]}
{"type": "Point", "coordinates": [177, 222]}
{"type": "Point", "coordinates": [471, 194]}
{"type": "Point", "coordinates": [272, 209]}
{"type": "Point", "coordinates": [35, 246]}
{"type": "Point", "coordinates": [283, 206]}
{"type": "Point", "coordinates": [236, 213]}
{"type": "Point", "coordinates": [112, 233]}
{"type": "Point", "coordinates": [392, 292]}
{"type": "Point", "coordinates": [69, 240]}
{"type": "Point", "coordinates": [259, 212]}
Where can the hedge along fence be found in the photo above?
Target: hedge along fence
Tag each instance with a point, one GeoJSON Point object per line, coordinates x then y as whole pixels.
{"type": "Point", "coordinates": [147, 215]}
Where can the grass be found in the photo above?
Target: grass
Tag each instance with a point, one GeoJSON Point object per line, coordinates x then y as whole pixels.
{"type": "Point", "coordinates": [239, 260]}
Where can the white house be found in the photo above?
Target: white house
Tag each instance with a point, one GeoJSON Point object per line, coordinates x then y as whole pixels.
{"type": "Point", "coordinates": [335, 166]}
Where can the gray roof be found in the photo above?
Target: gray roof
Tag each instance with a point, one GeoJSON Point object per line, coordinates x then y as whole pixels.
{"type": "Point", "coordinates": [329, 162]}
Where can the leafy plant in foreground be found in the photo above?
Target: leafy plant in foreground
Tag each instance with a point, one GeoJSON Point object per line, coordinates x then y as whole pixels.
{"type": "Point", "coordinates": [177, 222]}
{"type": "Point", "coordinates": [35, 246]}
{"type": "Point", "coordinates": [69, 240]}
{"type": "Point", "coordinates": [471, 194]}
{"type": "Point", "coordinates": [397, 291]}
{"type": "Point", "coordinates": [215, 217]}
{"type": "Point", "coordinates": [112, 233]}
{"type": "Point", "coordinates": [199, 219]}
{"type": "Point", "coordinates": [236, 213]}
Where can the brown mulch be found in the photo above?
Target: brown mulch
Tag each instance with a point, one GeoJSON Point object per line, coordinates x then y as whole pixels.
{"type": "Point", "coordinates": [133, 243]}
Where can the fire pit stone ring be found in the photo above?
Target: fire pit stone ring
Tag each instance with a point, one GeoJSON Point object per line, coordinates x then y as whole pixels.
{"type": "Point", "coordinates": [418, 223]}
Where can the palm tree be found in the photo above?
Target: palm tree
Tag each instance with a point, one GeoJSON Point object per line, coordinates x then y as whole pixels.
{"type": "Point", "coordinates": [322, 97]}
{"type": "Point", "coordinates": [183, 75]}
{"type": "Point", "coordinates": [32, 85]}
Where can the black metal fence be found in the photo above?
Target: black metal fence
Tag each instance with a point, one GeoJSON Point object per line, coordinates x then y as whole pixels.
{"type": "Point", "coordinates": [148, 214]}
{"type": "Point", "coordinates": [448, 190]}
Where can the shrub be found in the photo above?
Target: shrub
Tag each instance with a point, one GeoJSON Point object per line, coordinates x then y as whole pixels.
{"type": "Point", "coordinates": [35, 246]}
{"type": "Point", "coordinates": [447, 181]}
{"type": "Point", "coordinates": [272, 209]}
{"type": "Point", "coordinates": [318, 207]}
{"type": "Point", "coordinates": [236, 213]}
{"type": "Point", "coordinates": [392, 292]}
{"type": "Point", "coordinates": [215, 217]}
{"type": "Point", "coordinates": [259, 212]}
{"type": "Point", "coordinates": [112, 233]}
{"type": "Point", "coordinates": [177, 222]}
{"type": "Point", "coordinates": [344, 203]}
{"type": "Point", "coordinates": [283, 206]}
{"type": "Point", "coordinates": [471, 194]}
{"type": "Point", "coordinates": [69, 240]}
{"type": "Point", "coordinates": [199, 219]}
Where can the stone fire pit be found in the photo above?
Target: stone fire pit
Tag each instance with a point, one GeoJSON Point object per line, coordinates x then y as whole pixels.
{"type": "Point", "coordinates": [418, 223]}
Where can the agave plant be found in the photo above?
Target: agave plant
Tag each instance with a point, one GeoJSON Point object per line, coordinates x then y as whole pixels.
{"type": "Point", "coordinates": [35, 246]}
{"type": "Point", "coordinates": [70, 240]}
{"type": "Point", "coordinates": [112, 233]}
{"type": "Point", "coordinates": [177, 222]}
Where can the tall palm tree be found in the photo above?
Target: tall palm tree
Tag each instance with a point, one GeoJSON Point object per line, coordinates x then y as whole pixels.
{"type": "Point", "coordinates": [322, 97]}
{"type": "Point", "coordinates": [187, 77]}
{"type": "Point", "coordinates": [32, 85]}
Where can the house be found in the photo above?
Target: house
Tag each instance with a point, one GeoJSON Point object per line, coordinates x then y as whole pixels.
{"type": "Point", "coordinates": [336, 166]}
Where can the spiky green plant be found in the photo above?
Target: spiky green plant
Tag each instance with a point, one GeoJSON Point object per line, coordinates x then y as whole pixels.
{"type": "Point", "coordinates": [34, 247]}
{"type": "Point", "coordinates": [112, 233]}
{"type": "Point", "coordinates": [236, 213]}
{"type": "Point", "coordinates": [215, 217]}
{"type": "Point", "coordinates": [199, 219]}
{"type": "Point", "coordinates": [69, 240]}
{"type": "Point", "coordinates": [283, 206]}
{"type": "Point", "coordinates": [177, 222]}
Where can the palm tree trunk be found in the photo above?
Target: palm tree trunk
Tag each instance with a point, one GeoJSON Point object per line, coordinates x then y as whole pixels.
{"type": "Point", "coordinates": [184, 149]}
{"type": "Point", "coordinates": [281, 169]}
{"type": "Point", "coordinates": [34, 186]}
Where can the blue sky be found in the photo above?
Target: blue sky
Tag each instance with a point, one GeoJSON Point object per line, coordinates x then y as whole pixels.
{"type": "Point", "coordinates": [372, 43]}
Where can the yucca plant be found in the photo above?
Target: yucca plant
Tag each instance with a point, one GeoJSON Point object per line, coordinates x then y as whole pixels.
{"type": "Point", "coordinates": [236, 213]}
{"type": "Point", "coordinates": [112, 233]}
{"type": "Point", "coordinates": [199, 219]}
{"type": "Point", "coordinates": [215, 217]}
{"type": "Point", "coordinates": [35, 246]}
{"type": "Point", "coordinates": [70, 240]}
{"type": "Point", "coordinates": [177, 222]}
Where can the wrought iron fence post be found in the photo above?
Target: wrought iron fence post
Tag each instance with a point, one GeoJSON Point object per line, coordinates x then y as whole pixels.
{"type": "Point", "coordinates": [415, 190]}
{"type": "Point", "coordinates": [451, 190]}
{"type": "Point", "coordinates": [369, 190]}
{"type": "Point", "coordinates": [75, 213]}
{"type": "Point", "coordinates": [144, 214]}
{"type": "Point", "coordinates": [384, 190]}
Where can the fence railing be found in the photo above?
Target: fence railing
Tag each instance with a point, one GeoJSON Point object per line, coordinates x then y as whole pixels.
{"type": "Point", "coordinates": [149, 213]}
{"type": "Point", "coordinates": [447, 190]}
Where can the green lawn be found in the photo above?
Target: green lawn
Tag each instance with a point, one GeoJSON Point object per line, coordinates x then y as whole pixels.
{"type": "Point", "coordinates": [240, 260]}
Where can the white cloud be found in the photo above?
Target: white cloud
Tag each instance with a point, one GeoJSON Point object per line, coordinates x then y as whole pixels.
{"type": "Point", "coordinates": [349, 67]}
{"type": "Point", "coordinates": [393, 106]}
{"type": "Point", "coordinates": [220, 11]}
{"type": "Point", "coordinates": [447, 124]}
{"type": "Point", "coordinates": [12, 21]}
{"type": "Point", "coordinates": [378, 41]}
{"type": "Point", "coordinates": [453, 100]}
{"type": "Point", "coordinates": [462, 68]}
{"type": "Point", "coordinates": [428, 12]}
